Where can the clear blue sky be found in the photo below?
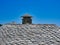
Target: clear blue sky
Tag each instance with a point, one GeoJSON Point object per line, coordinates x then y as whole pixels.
{"type": "Point", "coordinates": [43, 11]}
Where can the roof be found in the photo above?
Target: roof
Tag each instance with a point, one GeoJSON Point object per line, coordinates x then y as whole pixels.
{"type": "Point", "coordinates": [29, 35]}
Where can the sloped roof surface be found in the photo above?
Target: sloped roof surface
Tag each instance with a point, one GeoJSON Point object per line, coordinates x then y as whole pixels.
{"type": "Point", "coordinates": [29, 35]}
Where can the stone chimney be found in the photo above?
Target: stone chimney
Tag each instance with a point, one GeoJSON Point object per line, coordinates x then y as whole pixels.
{"type": "Point", "coordinates": [26, 19]}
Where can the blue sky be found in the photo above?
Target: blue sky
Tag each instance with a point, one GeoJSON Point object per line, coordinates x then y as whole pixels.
{"type": "Point", "coordinates": [43, 11]}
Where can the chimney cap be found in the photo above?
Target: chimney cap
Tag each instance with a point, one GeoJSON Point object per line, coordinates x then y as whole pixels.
{"type": "Point", "coordinates": [26, 15]}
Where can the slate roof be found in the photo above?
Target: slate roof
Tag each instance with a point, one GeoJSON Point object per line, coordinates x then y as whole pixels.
{"type": "Point", "coordinates": [29, 34]}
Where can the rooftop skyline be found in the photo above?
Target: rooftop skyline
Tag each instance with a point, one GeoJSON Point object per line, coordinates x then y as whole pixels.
{"type": "Point", "coordinates": [43, 11]}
